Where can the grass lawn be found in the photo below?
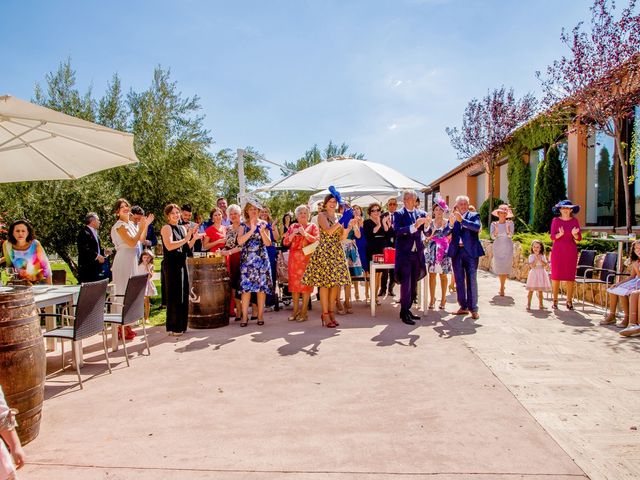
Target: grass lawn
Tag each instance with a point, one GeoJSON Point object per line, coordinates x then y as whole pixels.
{"type": "Point", "coordinates": [157, 316]}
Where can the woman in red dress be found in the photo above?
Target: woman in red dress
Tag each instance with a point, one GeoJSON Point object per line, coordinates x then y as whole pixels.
{"type": "Point", "coordinates": [565, 232]}
{"type": "Point", "coordinates": [215, 234]}
{"type": "Point", "coordinates": [298, 236]}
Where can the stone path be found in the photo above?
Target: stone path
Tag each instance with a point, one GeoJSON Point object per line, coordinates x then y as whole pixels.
{"type": "Point", "coordinates": [513, 395]}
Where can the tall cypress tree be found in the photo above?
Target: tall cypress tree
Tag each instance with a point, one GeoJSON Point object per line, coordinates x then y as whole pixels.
{"type": "Point", "coordinates": [549, 189]}
{"type": "Point", "coordinates": [519, 189]}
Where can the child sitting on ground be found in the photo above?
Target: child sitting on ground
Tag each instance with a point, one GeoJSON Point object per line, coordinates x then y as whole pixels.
{"type": "Point", "coordinates": [538, 278]}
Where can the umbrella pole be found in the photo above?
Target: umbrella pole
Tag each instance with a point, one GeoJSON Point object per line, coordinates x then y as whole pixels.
{"type": "Point", "coordinates": [241, 180]}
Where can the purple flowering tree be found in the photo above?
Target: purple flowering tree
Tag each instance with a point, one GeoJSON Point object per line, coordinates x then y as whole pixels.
{"type": "Point", "coordinates": [598, 81]}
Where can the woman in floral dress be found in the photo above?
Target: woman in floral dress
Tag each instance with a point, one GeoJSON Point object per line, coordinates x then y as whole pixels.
{"type": "Point", "coordinates": [255, 268]}
{"type": "Point", "coordinates": [298, 236]}
{"type": "Point", "coordinates": [327, 267]}
{"type": "Point", "coordinates": [437, 244]}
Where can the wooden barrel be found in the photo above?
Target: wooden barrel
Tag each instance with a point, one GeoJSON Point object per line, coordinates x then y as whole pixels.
{"type": "Point", "coordinates": [22, 359]}
{"type": "Point", "coordinates": [209, 292]}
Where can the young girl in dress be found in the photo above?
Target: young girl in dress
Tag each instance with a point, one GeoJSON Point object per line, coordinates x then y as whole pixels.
{"type": "Point", "coordinates": [538, 278]}
{"type": "Point", "coordinates": [11, 453]}
{"type": "Point", "coordinates": [145, 265]}
{"type": "Point", "coordinates": [623, 289]}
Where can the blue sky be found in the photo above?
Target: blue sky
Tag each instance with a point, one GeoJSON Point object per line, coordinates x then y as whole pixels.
{"type": "Point", "coordinates": [384, 76]}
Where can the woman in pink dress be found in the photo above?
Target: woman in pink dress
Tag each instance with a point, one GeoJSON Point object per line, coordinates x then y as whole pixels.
{"type": "Point", "coordinates": [565, 233]}
{"type": "Point", "coordinates": [298, 236]}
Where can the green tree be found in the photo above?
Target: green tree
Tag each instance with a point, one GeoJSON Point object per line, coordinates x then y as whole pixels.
{"type": "Point", "coordinates": [227, 183]}
{"type": "Point", "coordinates": [549, 189]}
{"type": "Point", "coordinates": [486, 208]}
{"type": "Point", "coordinates": [170, 142]}
{"type": "Point", "coordinates": [519, 188]}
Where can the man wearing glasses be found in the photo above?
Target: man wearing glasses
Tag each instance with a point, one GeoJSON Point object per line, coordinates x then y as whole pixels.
{"type": "Point", "coordinates": [389, 276]}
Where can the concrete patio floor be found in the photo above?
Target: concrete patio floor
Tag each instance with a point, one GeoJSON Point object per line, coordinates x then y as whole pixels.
{"type": "Point", "coordinates": [513, 395]}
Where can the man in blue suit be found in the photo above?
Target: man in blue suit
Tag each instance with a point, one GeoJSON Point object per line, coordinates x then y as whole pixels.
{"type": "Point", "coordinates": [465, 250]}
{"type": "Point", "coordinates": [410, 266]}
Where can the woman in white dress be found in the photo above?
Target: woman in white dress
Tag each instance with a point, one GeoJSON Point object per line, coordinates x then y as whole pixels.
{"type": "Point", "coordinates": [501, 232]}
{"type": "Point", "coordinates": [125, 236]}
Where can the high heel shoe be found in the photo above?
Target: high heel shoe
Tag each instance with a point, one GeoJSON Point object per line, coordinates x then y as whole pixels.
{"type": "Point", "coordinates": [569, 305]}
{"type": "Point", "coordinates": [293, 317]}
{"type": "Point", "coordinates": [443, 304]}
{"type": "Point", "coordinates": [432, 305]}
{"type": "Point", "coordinates": [244, 322]}
{"type": "Point", "coordinates": [333, 318]}
{"type": "Point", "coordinates": [303, 317]}
{"type": "Point", "coordinates": [347, 308]}
{"type": "Point", "coordinates": [326, 320]}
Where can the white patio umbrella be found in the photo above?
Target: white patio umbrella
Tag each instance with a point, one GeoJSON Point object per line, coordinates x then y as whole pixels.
{"type": "Point", "coordinates": [347, 175]}
{"type": "Point", "coordinates": [37, 143]}
{"type": "Point", "coordinates": [361, 199]}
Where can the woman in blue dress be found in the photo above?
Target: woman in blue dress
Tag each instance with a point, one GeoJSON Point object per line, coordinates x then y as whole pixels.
{"type": "Point", "coordinates": [255, 268]}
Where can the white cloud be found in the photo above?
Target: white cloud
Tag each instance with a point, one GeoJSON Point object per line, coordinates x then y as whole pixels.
{"type": "Point", "coordinates": [393, 126]}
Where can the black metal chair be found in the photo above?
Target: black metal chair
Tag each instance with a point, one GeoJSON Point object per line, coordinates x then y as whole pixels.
{"type": "Point", "coordinates": [132, 309]}
{"type": "Point", "coordinates": [598, 276]}
{"type": "Point", "coordinates": [87, 322]}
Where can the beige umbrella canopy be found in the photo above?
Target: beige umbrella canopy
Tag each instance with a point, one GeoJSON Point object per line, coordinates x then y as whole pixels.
{"type": "Point", "coordinates": [37, 143]}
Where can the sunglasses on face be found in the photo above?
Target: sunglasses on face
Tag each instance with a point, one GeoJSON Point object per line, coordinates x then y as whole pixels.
{"type": "Point", "coordinates": [375, 210]}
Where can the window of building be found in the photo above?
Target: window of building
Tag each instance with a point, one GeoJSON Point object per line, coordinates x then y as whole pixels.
{"type": "Point", "coordinates": [600, 207]}
{"type": "Point", "coordinates": [563, 150]}
{"type": "Point", "coordinates": [535, 157]}
{"type": "Point", "coordinates": [481, 191]}
{"type": "Point", "coordinates": [504, 183]}
{"type": "Point", "coordinates": [635, 150]}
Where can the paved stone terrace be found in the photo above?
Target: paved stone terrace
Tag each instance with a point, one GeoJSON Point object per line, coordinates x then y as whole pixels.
{"type": "Point", "coordinates": [514, 395]}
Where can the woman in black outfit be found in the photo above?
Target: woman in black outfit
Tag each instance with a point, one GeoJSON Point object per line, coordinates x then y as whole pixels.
{"type": "Point", "coordinates": [377, 231]}
{"type": "Point", "coordinates": [176, 240]}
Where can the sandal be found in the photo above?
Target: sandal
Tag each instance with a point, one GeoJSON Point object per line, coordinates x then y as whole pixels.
{"type": "Point", "coordinates": [326, 320]}
{"type": "Point", "coordinates": [260, 322]}
{"type": "Point", "coordinates": [442, 305]}
{"type": "Point", "coordinates": [554, 305]}
{"type": "Point", "coordinates": [432, 306]}
{"type": "Point", "coordinates": [293, 317]}
{"type": "Point", "coordinates": [569, 305]}
{"type": "Point", "coordinates": [333, 319]}
{"type": "Point", "coordinates": [244, 324]}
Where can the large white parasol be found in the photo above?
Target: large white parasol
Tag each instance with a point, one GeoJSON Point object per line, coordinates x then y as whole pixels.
{"type": "Point", "coordinates": [37, 143]}
{"type": "Point", "coordinates": [347, 175]}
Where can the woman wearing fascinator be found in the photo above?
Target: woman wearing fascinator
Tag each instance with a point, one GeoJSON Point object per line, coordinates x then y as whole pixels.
{"type": "Point", "coordinates": [437, 244]}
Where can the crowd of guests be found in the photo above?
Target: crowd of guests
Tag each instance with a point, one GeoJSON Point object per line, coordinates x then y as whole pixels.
{"type": "Point", "coordinates": [331, 252]}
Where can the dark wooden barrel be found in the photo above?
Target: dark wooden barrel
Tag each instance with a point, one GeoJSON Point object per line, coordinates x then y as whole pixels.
{"type": "Point", "coordinates": [22, 359]}
{"type": "Point", "coordinates": [209, 292]}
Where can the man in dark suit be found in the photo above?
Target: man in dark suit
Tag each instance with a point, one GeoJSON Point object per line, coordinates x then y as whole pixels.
{"type": "Point", "coordinates": [90, 253]}
{"type": "Point", "coordinates": [410, 266]}
{"type": "Point", "coordinates": [465, 249]}
{"type": "Point", "coordinates": [388, 276]}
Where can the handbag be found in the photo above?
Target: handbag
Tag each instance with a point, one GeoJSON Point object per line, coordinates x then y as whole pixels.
{"type": "Point", "coordinates": [309, 249]}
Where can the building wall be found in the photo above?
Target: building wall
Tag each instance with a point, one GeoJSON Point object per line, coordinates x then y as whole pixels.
{"type": "Point", "coordinates": [454, 186]}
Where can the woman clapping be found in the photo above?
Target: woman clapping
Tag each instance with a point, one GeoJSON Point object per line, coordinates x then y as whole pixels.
{"type": "Point", "coordinates": [298, 236]}
{"type": "Point", "coordinates": [255, 268]}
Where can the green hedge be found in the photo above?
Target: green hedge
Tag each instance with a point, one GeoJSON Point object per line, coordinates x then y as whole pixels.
{"type": "Point", "coordinates": [587, 243]}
